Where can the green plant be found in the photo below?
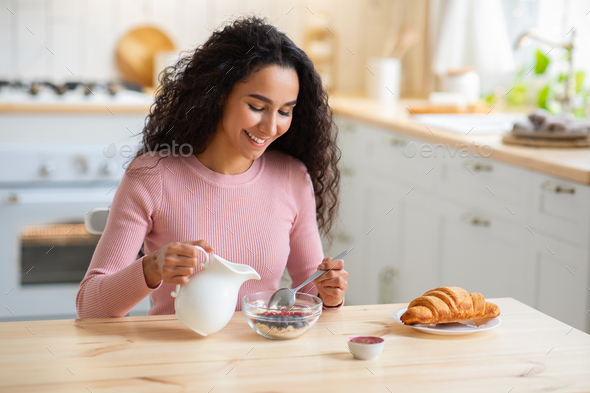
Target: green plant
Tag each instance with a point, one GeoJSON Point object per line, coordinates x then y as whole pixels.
{"type": "Point", "coordinates": [542, 89]}
{"type": "Point", "coordinates": [541, 63]}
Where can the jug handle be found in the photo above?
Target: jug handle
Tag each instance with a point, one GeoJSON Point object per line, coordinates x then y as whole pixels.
{"type": "Point", "coordinates": [203, 264]}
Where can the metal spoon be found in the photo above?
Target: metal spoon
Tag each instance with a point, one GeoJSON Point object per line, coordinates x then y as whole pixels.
{"type": "Point", "coordinates": [285, 297]}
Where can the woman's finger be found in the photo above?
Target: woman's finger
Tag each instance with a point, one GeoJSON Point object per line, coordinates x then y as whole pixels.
{"type": "Point", "coordinates": [171, 271]}
{"type": "Point", "coordinates": [180, 260]}
{"type": "Point", "coordinates": [332, 274]}
{"type": "Point", "coordinates": [176, 280]}
{"type": "Point", "coordinates": [334, 292]}
{"type": "Point", "coordinates": [187, 250]}
{"type": "Point", "coordinates": [331, 264]}
{"type": "Point", "coordinates": [201, 243]}
{"type": "Point", "coordinates": [336, 282]}
{"type": "Point", "coordinates": [327, 277]}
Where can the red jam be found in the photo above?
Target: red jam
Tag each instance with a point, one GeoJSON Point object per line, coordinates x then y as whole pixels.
{"type": "Point", "coordinates": [282, 313]}
{"type": "Point", "coordinates": [366, 340]}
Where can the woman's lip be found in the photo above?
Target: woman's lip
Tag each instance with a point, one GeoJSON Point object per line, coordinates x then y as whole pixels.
{"type": "Point", "coordinates": [255, 143]}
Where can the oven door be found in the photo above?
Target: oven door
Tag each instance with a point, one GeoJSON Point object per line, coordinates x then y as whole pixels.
{"type": "Point", "coordinates": [46, 250]}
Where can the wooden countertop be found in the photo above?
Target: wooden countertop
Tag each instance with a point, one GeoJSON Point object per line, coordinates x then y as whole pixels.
{"type": "Point", "coordinates": [569, 164]}
{"type": "Point", "coordinates": [116, 109]}
{"type": "Point", "coordinates": [528, 352]}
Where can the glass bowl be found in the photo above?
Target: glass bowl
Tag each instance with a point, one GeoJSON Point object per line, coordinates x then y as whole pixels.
{"type": "Point", "coordinates": [285, 323]}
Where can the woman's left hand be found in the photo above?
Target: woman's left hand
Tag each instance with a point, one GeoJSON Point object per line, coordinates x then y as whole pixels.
{"type": "Point", "coordinates": [332, 285]}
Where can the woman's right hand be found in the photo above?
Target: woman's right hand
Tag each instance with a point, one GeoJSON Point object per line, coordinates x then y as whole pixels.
{"type": "Point", "coordinates": [174, 263]}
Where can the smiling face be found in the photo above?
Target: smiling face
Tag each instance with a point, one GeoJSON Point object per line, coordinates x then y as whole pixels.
{"type": "Point", "coordinates": [257, 112]}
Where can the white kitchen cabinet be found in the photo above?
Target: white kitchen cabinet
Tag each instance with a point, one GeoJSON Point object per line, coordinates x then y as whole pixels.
{"type": "Point", "coordinates": [481, 252]}
{"type": "Point", "coordinates": [381, 240]}
{"type": "Point", "coordinates": [503, 189]}
{"type": "Point", "coordinates": [561, 281]}
{"type": "Point", "coordinates": [452, 244]}
{"type": "Point", "coordinates": [398, 158]}
{"type": "Point", "coordinates": [347, 229]}
{"type": "Point", "coordinates": [561, 209]}
{"type": "Point", "coordinates": [420, 219]}
{"type": "Point", "coordinates": [375, 182]}
{"type": "Point", "coordinates": [346, 234]}
{"type": "Point", "coordinates": [472, 222]}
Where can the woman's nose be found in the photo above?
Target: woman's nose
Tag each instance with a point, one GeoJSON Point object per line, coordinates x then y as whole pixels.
{"type": "Point", "coordinates": [268, 125]}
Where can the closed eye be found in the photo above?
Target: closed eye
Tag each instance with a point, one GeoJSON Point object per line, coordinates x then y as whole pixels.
{"type": "Point", "coordinates": [255, 109]}
{"type": "Point", "coordinates": [261, 109]}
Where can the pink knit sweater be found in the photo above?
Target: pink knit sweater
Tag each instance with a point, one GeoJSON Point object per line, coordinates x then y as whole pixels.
{"type": "Point", "coordinates": [264, 218]}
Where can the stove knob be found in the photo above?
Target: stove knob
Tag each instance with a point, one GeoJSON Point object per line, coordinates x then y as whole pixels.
{"type": "Point", "coordinates": [81, 165]}
{"type": "Point", "coordinates": [47, 168]}
{"type": "Point", "coordinates": [108, 168]}
{"type": "Point", "coordinates": [61, 90]}
{"type": "Point", "coordinates": [113, 88]}
{"type": "Point", "coordinates": [11, 199]}
{"type": "Point", "coordinates": [35, 88]}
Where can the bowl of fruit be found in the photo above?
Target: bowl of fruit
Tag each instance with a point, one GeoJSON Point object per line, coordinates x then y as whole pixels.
{"type": "Point", "coordinates": [284, 323]}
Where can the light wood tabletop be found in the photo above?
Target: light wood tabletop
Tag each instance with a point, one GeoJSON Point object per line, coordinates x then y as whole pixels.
{"type": "Point", "coordinates": [527, 352]}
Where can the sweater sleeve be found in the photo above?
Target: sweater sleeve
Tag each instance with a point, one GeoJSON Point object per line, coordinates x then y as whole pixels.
{"type": "Point", "coordinates": [304, 239]}
{"type": "Point", "coordinates": [115, 282]}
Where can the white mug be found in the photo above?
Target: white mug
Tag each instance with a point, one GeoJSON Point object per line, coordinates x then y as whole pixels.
{"type": "Point", "coordinates": [383, 78]}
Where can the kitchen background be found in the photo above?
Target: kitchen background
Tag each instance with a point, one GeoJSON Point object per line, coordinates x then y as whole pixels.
{"type": "Point", "coordinates": [62, 40]}
{"type": "Point", "coordinates": [61, 149]}
{"type": "Point", "coordinates": [82, 35]}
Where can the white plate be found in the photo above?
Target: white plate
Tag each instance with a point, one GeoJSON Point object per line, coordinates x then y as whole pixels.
{"type": "Point", "coordinates": [449, 329]}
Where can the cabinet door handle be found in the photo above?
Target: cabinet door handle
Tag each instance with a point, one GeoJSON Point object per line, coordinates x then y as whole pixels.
{"type": "Point", "coordinates": [396, 142]}
{"type": "Point", "coordinates": [388, 272]}
{"type": "Point", "coordinates": [386, 285]}
{"type": "Point", "coordinates": [475, 221]}
{"type": "Point", "coordinates": [556, 188]}
{"type": "Point", "coordinates": [477, 167]}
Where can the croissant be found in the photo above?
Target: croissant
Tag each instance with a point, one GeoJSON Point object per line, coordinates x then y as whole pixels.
{"type": "Point", "coordinates": [447, 305]}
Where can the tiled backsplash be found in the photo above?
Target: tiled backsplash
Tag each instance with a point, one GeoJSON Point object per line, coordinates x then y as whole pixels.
{"type": "Point", "coordinates": [63, 40]}
{"type": "Point", "coordinates": [75, 39]}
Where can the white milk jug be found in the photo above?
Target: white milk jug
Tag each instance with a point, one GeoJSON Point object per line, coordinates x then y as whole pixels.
{"type": "Point", "coordinates": [208, 300]}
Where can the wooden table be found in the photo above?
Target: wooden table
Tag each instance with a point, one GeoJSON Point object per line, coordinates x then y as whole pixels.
{"type": "Point", "coordinates": [528, 352]}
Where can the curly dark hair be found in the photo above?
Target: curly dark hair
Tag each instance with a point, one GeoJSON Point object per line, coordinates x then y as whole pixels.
{"type": "Point", "coordinates": [189, 103]}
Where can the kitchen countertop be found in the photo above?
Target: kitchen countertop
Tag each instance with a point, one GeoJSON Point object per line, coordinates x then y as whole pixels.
{"type": "Point", "coordinates": [529, 352]}
{"type": "Point", "coordinates": [569, 164]}
{"type": "Point", "coordinates": [125, 102]}
{"type": "Point", "coordinates": [70, 108]}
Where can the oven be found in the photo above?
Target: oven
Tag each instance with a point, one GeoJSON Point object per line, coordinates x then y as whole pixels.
{"type": "Point", "coordinates": [46, 248]}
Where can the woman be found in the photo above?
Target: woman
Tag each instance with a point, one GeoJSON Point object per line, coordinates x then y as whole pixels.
{"type": "Point", "coordinates": [259, 183]}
